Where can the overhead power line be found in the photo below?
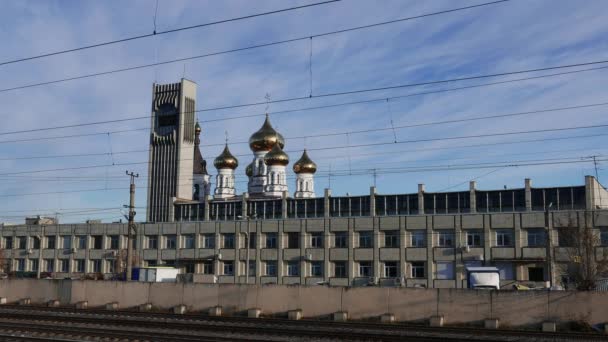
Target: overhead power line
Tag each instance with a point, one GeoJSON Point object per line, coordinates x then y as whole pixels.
{"type": "Point", "coordinates": [382, 99]}
{"type": "Point", "coordinates": [343, 146]}
{"type": "Point", "coordinates": [367, 171]}
{"type": "Point", "coordinates": [158, 33]}
{"type": "Point", "coordinates": [251, 47]}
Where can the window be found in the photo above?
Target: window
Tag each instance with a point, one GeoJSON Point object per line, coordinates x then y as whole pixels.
{"type": "Point", "coordinates": [170, 241]}
{"type": "Point", "coordinates": [391, 239]}
{"type": "Point", "coordinates": [189, 241]}
{"type": "Point", "coordinates": [316, 240]}
{"type": "Point", "coordinates": [96, 265]}
{"type": "Point", "coordinates": [505, 270]}
{"type": "Point", "coordinates": [152, 241]}
{"type": "Point", "coordinates": [228, 240]}
{"type": "Point", "coordinates": [271, 240]}
{"type": "Point", "coordinates": [64, 265]}
{"type": "Point", "coordinates": [293, 268]}
{"type": "Point", "coordinates": [341, 240]}
{"type": "Point", "coordinates": [8, 242]}
{"type": "Point", "coordinates": [209, 241]}
{"type": "Point", "coordinates": [208, 267]}
{"type": "Point", "coordinates": [536, 237]}
{"type": "Point", "coordinates": [391, 269]}
{"type": "Point", "coordinates": [50, 242]}
{"type": "Point", "coordinates": [536, 274]}
{"type": "Point", "coordinates": [35, 242]}
{"type": "Point", "coordinates": [228, 268]}
{"type": "Point", "coordinates": [97, 241]}
{"type": "Point", "coordinates": [418, 270]}
{"type": "Point", "coordinates": [604, 237]}
{"type": "Point", "coordinates": [445, 239]}
{"type": "Point", "coordinates": [474, 238]}
{"type": "Point", "coordinates": [111, 266]}
{"type": "Point", "coordinates": [365, 269]}
{"type": "Point", "coordinates": [340, 270]}
{"type": "Point", "coordinates": [49, 265]}
{"type": "Point", "coordinates": [66, 241]}
{"type": "Point", "coordinates": [34, 265]}
{"type": "Point", "coordinates": [21, 265]}
{"type": "Point", "coordinates": [79, 266]}
{"type": "Point", "coordinates": [566, 237]}
{"type": "Point", "coordinates": [81, 242]}
{"type": "Point", "coordinates": [366, 239]}
{"type": "Point", "coordinates": [504, 238]}
{"type": "Point", "coordinates": [252, 240]}
{"type": "Point", "coordinates": [252, 268]}
{"type": "Point", "coordinates": [293, 240]}
{"type": "Point", "coordinates": [271, 268]}
{"type": "Point", "coordinates": [114, 241]}
{"type": "Point", "coordinates": [151, 263]}
{"type": "Point", "coordinates": [418, 238]}
{"type": "Point", "coordinates": [445, 270]}
{"type": "Point", "coordinates": [316, 268]}
{"type": "Point", "coordinates": [22, 242]}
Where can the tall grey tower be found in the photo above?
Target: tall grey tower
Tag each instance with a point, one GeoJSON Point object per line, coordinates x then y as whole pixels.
{"type": "Point", "coordinates": [171, 148]}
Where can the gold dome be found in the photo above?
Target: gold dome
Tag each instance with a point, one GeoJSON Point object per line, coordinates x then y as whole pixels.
{"type": "Point", "coordinates": [226, 160]}
{"type": "Point", "coordinates": [305, 165]}
{"type": "Point", "coordinates": [249, 170]}
{"type": "Point", "coordinates": [265, 138]}
{"type": "Point", "coordinates": [276, 156]}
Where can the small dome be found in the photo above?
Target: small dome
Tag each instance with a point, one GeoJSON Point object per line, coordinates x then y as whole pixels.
{"type": "Point", "coordinates": [305, 164]}
{"type": "Point", "coordinates": [265, 138]}
{"type": "Point", "coordinates": [226, 160]}
{"type": "Point", "coordinates": [249, 170]}
{"type": "Point", "coordinates": [197, 128]}
{"type": "Point", "coordinates": [276, 157]}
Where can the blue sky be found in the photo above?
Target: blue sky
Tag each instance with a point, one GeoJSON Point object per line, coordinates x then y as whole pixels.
{"type": "Point", "coordinates": [515, 35]}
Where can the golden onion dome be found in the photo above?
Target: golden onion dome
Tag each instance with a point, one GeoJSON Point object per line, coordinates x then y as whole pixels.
{"type": "Point", "coordinates": [305, 164]}
{"type": "Point", "coordinates": [226, 160]}
{"type": "Point", "coordinates": [265, 138]}
{"type": "Point", "coordinates": [276, 156]}
{"type": "Point", "coordinates": [249, 170]}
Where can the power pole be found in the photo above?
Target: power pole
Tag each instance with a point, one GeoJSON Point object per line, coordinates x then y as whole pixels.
{"type": "Point", "coordinates": [131, 225]}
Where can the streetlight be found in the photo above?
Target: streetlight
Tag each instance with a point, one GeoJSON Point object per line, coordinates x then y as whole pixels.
{"type": "Point", "coordinates": [248, 218]}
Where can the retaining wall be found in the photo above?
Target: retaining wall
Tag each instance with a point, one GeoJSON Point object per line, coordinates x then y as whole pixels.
{"type": "Point", "coordinates": [458, 306]}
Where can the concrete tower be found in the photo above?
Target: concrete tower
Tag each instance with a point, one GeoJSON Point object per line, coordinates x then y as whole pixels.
{"type": "Point", "coordinates": [171, 148]}
{"type": "Point", "coordinates": [225, 164]}
{"type": "Point", "coordinates": [202, 185]}
{"type": "Point", "coordinates": [276, 182]}
{"type": "Point", "coordinates": [305, 169]}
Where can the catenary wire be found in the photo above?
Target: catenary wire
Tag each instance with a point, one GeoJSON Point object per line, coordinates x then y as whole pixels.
{"type": "Point", "coordinates": [158, 33]}
{"type": "Point", "coordinates": [67, 79]}
{"type": "Point", "coordinates": [382, 99]}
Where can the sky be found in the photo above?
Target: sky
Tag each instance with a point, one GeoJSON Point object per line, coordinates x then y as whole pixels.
{"type": "Point", "coordinates": [509, 36]}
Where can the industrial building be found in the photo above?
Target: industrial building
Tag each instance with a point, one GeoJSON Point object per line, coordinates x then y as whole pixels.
{"type": "Point", "coordinates": [423, 239]}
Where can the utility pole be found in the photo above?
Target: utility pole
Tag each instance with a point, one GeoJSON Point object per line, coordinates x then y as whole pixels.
{"type": "Point", "coordinates": [131, 225]}
{"type": "Point", "coordinates": [549, 245]}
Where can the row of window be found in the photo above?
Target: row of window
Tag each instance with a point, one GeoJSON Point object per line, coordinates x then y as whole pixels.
{"type": "Point", "coordinates": [536, 237]}
{"type": "Point", "coordinates": [364, 239]}
{"type": "Point", "coordinates": [64, 242]}
{"type": "Point", "coordinates": [63, 265]}
{"type": "Point", "coordinates": [339, 269]}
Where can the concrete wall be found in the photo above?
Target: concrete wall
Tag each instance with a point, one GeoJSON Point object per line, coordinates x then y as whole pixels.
{"type": "Point", "coordinates": [458, 306]}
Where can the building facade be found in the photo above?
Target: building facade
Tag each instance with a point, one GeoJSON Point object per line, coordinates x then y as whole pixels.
{"type": "Point", "coordinates": [423, 239]}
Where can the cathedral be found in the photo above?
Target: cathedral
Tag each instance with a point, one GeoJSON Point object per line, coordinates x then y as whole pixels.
{"type": "Point", "coordinates": [176, 179]}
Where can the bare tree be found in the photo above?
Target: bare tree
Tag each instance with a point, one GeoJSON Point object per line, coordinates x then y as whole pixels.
{"type": "Point", "coordinates": [587, 261]}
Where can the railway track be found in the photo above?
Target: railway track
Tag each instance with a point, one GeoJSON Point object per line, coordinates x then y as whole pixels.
{"type": "Point", "coordinates": [127, 325]}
